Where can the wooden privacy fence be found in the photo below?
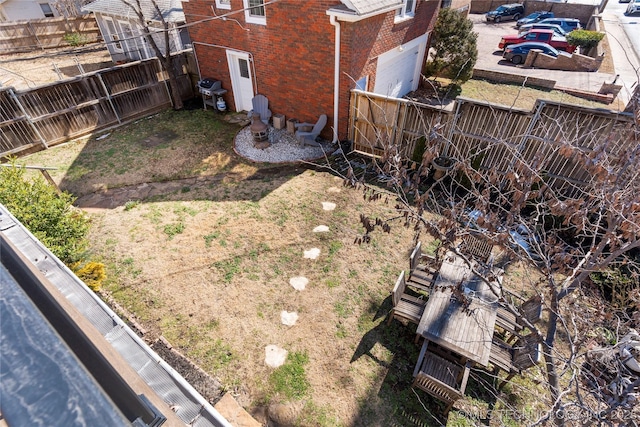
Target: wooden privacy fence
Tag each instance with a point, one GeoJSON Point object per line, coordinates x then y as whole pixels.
{"type": "Point", "coordinates": [35, 119]}
{"type": "Point", "coordinates": [25, 36]}
{"type": "Point", "coordinates": [492, 136]}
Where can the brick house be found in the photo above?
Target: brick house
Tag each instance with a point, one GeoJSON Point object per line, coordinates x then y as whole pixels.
{"type": "Point", "coordinates": [287, 50]}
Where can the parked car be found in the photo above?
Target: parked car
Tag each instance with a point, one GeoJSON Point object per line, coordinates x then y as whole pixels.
{"type": "Point", "coordinates": [544, 36]}
{"type": "Point", "coordinates": [538, 26]}
{"type": "Point", "coordinates": [533, 18]}
{"type": "Point", "coordinates": [634, 7]}
{"type": "Point", "coordinates": [517, 53]}
{"type": "Point", "coordinates": [567, 24]}
{"type": "Point", "coordinates": [505, 12]}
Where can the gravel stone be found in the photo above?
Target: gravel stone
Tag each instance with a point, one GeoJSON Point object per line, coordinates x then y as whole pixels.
{"type": "Point", "coordinates": [284, 147]}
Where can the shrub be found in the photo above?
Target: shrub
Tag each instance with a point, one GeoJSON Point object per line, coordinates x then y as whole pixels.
{"type": "Point", "coordinates": [50, 216]}
{"type": "Point", "coordinates": [75, 39]}
{"type": "Point", "coordinates": [585, 39]}
{"type": "Point", "coordinates": [92, 273]}
{"type": "Point", "coordinates": [454, 47]}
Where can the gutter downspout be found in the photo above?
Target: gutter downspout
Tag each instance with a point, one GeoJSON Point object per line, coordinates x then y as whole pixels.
{"type": "Point", "coordinates": [336, 78]}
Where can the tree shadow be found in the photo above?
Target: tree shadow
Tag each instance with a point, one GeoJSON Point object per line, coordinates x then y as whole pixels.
{"type": "Point", "coordinates": [393, 401]}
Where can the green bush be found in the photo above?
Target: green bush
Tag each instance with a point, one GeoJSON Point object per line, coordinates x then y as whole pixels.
{"type": "Point", "coordinates": [45, 213]}
{"type": "Point", "coordinates": [584, 39]}
{"type": "Point", "coordinates": [454, 47]}
{"type": "Point", "coordinates": [93, 274]}
{"type": "Point", "coordinates": [75, 39]}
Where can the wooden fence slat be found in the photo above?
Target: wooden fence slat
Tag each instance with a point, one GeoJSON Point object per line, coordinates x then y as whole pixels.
{"type": "Point", "coordinates": [493, 137]}
{"type": "Point", "coordinates": [58, 112]}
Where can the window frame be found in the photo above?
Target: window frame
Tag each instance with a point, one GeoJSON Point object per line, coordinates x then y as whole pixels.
{"type": "Point", "coordinates": [50, 13]}
{"type": "Point", "coordinates": [113, 37]}
{"type": "Point", "coordinates": [223, 4]}
{"type": "Point", "coordinates": [255, 19]}
{"type": "Point", "coordinates": [403, 14]}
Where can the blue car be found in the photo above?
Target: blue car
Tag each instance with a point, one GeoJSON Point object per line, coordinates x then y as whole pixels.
{"type": "Point", "coordinates": [533, 18]}
{"type": "Point", "coordinates": [567, 24]}
{"type": "Point", "coordinates": [516, 53]}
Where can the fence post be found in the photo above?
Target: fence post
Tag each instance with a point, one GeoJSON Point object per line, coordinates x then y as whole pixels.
{"type": "Point", "coordinates": [33, 126]}
{"type": "Point", "coordinates": [35, 36]}
{"type": "Point", "coordinates": [454, 121]}
{"type": "Point", "coordinates": [113, 107]}
{"type": "Point", "coordinates": [527, 133]}
{"type": "Point", "coordinates": [166, 86]}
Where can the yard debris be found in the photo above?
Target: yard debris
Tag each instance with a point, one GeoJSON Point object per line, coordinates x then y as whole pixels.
{"type": "Point", "coordinates": [103, 136]}
{"type": "Point", "coordinates": [299, 283]}
{"type": "Point", "coordinates": [274, 356]}
{"type": "Point", "coordinates": [312, 253]}
{"type": "Point", "coordinates": [328, 206]}
{"type": "Point", "coordinates": [321, 229]}
{"type": "Point", "coordinates": [288, 318]}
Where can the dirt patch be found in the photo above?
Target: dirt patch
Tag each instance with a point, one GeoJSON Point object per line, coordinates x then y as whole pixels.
{"type": "Point", "coordinates": [159, 138]}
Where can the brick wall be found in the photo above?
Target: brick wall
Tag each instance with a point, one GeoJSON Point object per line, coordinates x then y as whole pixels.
{"type": "Point", "coordinates": [293, 55]}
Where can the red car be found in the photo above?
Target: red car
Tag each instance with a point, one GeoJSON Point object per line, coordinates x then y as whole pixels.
{"type": "Point", "coordinates": [538, 35]}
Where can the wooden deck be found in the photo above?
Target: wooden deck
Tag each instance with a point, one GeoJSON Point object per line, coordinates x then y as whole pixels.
{"type": "Point", "coordinates": [462, 321]}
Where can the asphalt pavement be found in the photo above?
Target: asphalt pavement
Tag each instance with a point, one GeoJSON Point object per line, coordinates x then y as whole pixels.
{"type": "Point", "coordinates": [623, 53]}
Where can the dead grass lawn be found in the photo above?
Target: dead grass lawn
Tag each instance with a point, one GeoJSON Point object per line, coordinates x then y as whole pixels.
{"type": "Point", "coordinates": [208, 267]}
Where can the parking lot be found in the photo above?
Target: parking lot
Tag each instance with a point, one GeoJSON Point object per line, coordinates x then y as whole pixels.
{"type": "Point", "coordinates": [490, 58]}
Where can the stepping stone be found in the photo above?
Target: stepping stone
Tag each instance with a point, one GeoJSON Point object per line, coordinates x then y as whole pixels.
{"type": "Point", "coordinates": [274, 356]}
{"type": "Point", "coordinates": [321, 229]}
{"type": "Point", "coordinates": [287, 318]}
{"type": "Point", "coordinates": [312, 253]}
{"type": "Point", "coordinates": [299, 283]}
{"type": "Point", "coordinates": [328, 206]}
{"type": "Point", "coordinates": [333, 190]}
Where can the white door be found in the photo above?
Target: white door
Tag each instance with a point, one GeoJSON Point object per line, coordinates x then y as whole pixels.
{"type": "Point", "coordinates": [398, 70]}
{"type": "Point", "coordinates": [241, 81]}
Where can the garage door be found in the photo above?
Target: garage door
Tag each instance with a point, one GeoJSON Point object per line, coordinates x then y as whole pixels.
{"type": "Point", "coordinates": [398, 70]}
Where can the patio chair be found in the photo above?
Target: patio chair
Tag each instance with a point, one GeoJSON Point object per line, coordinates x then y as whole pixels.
{"type": "Point", "coordinates": [513, 324]}
{"type": "Point", "coordinates": [260, 105]}
{"type": "Point", "coordinates": [406, 308]}
{"type": "Point", "coordinates": [423, 269]}
{"type": "Point", "coordinates": [443, 379]}
{"type": "Point", "coordinates": [309, 137]}
{"type": "Point", "coordinates": [476, 247]}
{"type": "Point", "coordinates": [524, 354]}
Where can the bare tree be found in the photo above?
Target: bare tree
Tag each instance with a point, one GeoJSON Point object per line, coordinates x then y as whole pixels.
{"type": "Point", "coordinates": [507, 190]}
{"type": "Point", "coordinates": [145, 18]}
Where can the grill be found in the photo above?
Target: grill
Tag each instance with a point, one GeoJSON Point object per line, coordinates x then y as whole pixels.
{"type": "Point", "coordinates": [211, 87]}
{"type": "Point", "coordinates": [212, 92]}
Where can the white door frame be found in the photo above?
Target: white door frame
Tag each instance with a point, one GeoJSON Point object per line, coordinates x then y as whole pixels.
{"type": "Point", "coordinates": [242, 86]}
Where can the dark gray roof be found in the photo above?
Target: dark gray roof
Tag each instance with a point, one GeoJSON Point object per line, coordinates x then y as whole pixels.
{"type": "Point", "coordinates": [171, 9]}
{"type": "Point", "coordinates": [41, 380]}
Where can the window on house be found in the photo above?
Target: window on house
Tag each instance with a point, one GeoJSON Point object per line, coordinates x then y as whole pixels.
{"type": "Point", "coordinates": [46, 9]}
{"type": "Point", "coordinates": [362, 83]}
{"type": "Point", "coordinates": [254, 12]}
{"type": "Point", "coordinates": [407, 10]}
{"type": "Point", "coordinates": [223, 4]}
{"type": "Point", "coordinates": [445, 4]}
{"type": "Point", "coordinates": [113, 35]}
